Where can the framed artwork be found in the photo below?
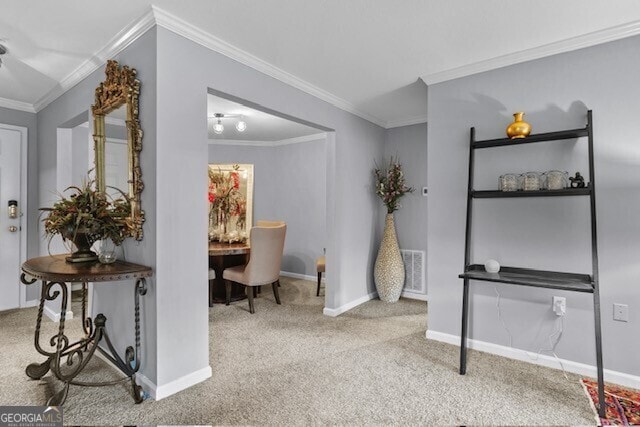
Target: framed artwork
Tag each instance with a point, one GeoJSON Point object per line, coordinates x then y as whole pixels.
{"type": "Point", "coordinates": [230, 202]}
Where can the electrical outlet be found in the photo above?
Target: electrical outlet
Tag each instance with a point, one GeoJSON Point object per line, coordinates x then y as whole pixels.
{"type": "Point", "coordinates": [621, 312]}
{"type": "Point", "coordinates": [559, 305]}
{"type": "Point", "coordinates": [424, 191]}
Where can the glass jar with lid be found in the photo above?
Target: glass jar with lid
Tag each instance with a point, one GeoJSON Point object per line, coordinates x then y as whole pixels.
{"type": "Point", "coordinates": [557, 180]}
{"type": "Point", "coordinates": [509, 182]}
{"type": "Point", "coordinates": [532, 181]}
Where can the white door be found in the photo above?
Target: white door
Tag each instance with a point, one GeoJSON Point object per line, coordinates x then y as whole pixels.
{"type": "Point", "coordinates": [10, 160]}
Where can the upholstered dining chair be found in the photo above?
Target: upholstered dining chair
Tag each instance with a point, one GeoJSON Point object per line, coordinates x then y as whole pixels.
{"type": "Point", "coordinates": [267, 223]}
{"type": "Point", "coordinates": [263, 268]}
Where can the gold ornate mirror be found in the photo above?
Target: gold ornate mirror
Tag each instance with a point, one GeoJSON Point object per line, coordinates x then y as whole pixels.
{"type": "Point", "coordinates": [118, 139]}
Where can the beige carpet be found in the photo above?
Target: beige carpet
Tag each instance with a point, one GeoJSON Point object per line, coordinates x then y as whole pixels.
{"type": "Point", "coordinates": [290, 365]}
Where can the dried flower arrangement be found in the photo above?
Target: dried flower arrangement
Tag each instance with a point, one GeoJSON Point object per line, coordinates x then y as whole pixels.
{"type": "Point", "coordinates": [390, 185]}
{"type": "Point", "coordinates": [88, 213]}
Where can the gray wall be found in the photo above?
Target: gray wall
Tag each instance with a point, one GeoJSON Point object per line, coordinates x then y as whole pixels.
{"type": "Point", "coordinates": [115, 131]}
{"type": "Point", "coordinates": [289, 185]}
{"type": "Point", "coordinates": [115, 300]}
{"type": "Point", "coordinates": [182, 155]}
{"type": "Point", "coordinates": [545, 233]}
{"type": "Point", "coordinates": [28, 120]}
{"type": "Point", "coordinates": [409, 144]}
{"type": "Point", "coordinates": [80, 153]}
{"type": "Point", "coordinates": [173, 111]}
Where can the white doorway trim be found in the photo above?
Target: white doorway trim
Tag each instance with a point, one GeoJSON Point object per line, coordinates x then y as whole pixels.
{"type": "Point", "coordinates": [24, 208]}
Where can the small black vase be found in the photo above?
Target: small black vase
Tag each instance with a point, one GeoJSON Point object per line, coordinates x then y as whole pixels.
{"type": "Point", "coordinates": [83, 244]}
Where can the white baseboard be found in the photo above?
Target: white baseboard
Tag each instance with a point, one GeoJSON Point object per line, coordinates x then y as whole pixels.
{"type": "Point", "coordinates": [55, 315]}
{"type": "Point", "coordinates": [610, 376]}
{"type": "Point", "coordinates": [165, 390]}
{"type": "Point", "coordinates": [32, 303]}
{"type": "Point", "coordinates": [333, 312]}
{"type": "Point", "coordinates": [411, 295]}
{"type": "Point", "coordinates": [147, 385]}
{"type": "Point", "coordinates": [144, 382]}
{"type": "Point", "coordinates": [301, 276]}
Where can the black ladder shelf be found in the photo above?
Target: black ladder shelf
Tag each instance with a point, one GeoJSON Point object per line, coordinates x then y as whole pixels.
{"type": "Point", "coordinates": [529, 277]}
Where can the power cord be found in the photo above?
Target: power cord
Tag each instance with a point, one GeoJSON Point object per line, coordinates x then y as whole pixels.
{"type": "Point", "coordinates": [553, 342]}
{"type": "Point", "coordinates": [504, 325]}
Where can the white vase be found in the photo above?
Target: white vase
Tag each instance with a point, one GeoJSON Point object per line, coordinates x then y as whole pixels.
{"type": "Point", "coordinates": [388, 272]}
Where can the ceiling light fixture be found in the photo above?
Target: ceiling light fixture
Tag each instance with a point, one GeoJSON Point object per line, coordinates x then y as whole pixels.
{"type": "Point", "coordinates": [218, 127]}
{"type": "Point", "coordinates": [241, 126]}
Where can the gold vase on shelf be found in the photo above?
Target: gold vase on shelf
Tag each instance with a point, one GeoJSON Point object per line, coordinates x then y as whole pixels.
{"type": "Point", "coordinates": [519, 128]}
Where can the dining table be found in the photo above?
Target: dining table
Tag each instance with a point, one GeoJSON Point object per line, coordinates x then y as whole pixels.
{"type": "Point", "coordinates": [224, 255]}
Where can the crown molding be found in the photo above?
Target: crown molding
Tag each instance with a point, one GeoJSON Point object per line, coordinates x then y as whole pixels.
{"type": "Point", "coordinates": [406, 122]}
{"type": "Point", "coordinates": [17, 105]}
{"type": "Point", "coordinates": [574, 43]}
{"type": "Point", "coordinates": [300, 139]}
{"type": "Point", "coordinates": [196, 35]}
{"type": "Point", "coordinates": [254, 143]}
{"type": "Point", "coordinates": [157, 16]}
{"type": "Point", "coordinates": [117, 44]}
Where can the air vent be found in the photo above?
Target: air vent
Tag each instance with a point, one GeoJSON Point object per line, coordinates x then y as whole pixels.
{"type": "Point", "coordinates": [413, 271]}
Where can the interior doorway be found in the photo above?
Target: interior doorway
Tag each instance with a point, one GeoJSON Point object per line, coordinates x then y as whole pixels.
{"type": "Point", "coordinates": [290, 159]}
{"type": "Point", "coordinates": [13, 200]}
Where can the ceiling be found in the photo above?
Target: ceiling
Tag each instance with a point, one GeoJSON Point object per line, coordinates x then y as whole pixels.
{"type": "Point", "coordinates": [364, 56]}
{"type": "Point", "coordinates": [261, 127]}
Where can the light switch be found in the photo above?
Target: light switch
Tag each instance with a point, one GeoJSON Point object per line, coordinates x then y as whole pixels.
{"type": "Point", "coordinates": [424, 191]}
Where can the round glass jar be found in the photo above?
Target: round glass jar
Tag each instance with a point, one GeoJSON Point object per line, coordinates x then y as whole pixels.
{"type": "Point", "coordinates": [532, 181]}
{"type": "Point", "coordinates": [509, 182]}
{"type": "Point", "coordinates": [557, 180]}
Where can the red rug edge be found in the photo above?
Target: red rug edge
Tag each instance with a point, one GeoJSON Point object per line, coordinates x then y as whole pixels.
{"type": "Point", "coordinates": [596, 416]}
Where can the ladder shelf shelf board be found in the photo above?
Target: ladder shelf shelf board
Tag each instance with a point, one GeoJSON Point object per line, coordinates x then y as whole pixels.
{"type": "Point", "coordinates": [540, 137]}
{"type": "Point", "coordinates": [540, 193]}
{"type": "Point", "coordinates": [529, 277]}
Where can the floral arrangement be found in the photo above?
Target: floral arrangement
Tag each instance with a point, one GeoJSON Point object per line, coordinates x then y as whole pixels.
{"type": "Point", "coordinates": [225, 199]}
{"type": "Point", "coordinates": [88, 212]}
{"type": "Point", "coordinates": [390, 185]}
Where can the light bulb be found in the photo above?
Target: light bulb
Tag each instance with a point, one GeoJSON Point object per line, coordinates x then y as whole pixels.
{"type": "Point", "coordinates": [241, 126]}
{"type": "Point", "coordinates": [218, 128]}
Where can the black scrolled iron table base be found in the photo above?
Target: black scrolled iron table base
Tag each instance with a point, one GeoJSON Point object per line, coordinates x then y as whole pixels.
{"type": "Point", "coordinates": [69, 359]}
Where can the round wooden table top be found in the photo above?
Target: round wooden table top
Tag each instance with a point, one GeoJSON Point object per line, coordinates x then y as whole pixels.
{"type": "Point", "coordinates": [55, 268]}
{"type": "Point", "coordinates": [218, 248]}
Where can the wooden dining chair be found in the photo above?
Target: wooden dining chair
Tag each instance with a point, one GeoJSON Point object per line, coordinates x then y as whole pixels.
{"type": "Point", "coordinates": [320, 267]}
{"type": "Point", "coordinates": [263, 268]}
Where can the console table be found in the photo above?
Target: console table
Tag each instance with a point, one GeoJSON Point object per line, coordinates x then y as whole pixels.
{"type": "Point", "coordinates": [54, 272]}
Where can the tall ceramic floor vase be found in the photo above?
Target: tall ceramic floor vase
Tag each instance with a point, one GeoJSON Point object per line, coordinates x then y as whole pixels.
{"type": "Point", "coordinates": [388, 272]}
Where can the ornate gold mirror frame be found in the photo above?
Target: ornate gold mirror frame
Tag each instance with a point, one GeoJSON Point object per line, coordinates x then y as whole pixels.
{"type": "Point", "coordinates": [120, 88]}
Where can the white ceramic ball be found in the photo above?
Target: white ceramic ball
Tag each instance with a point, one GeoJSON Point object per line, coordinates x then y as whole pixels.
{"type": "Point", "coordinates": [492, 266]}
